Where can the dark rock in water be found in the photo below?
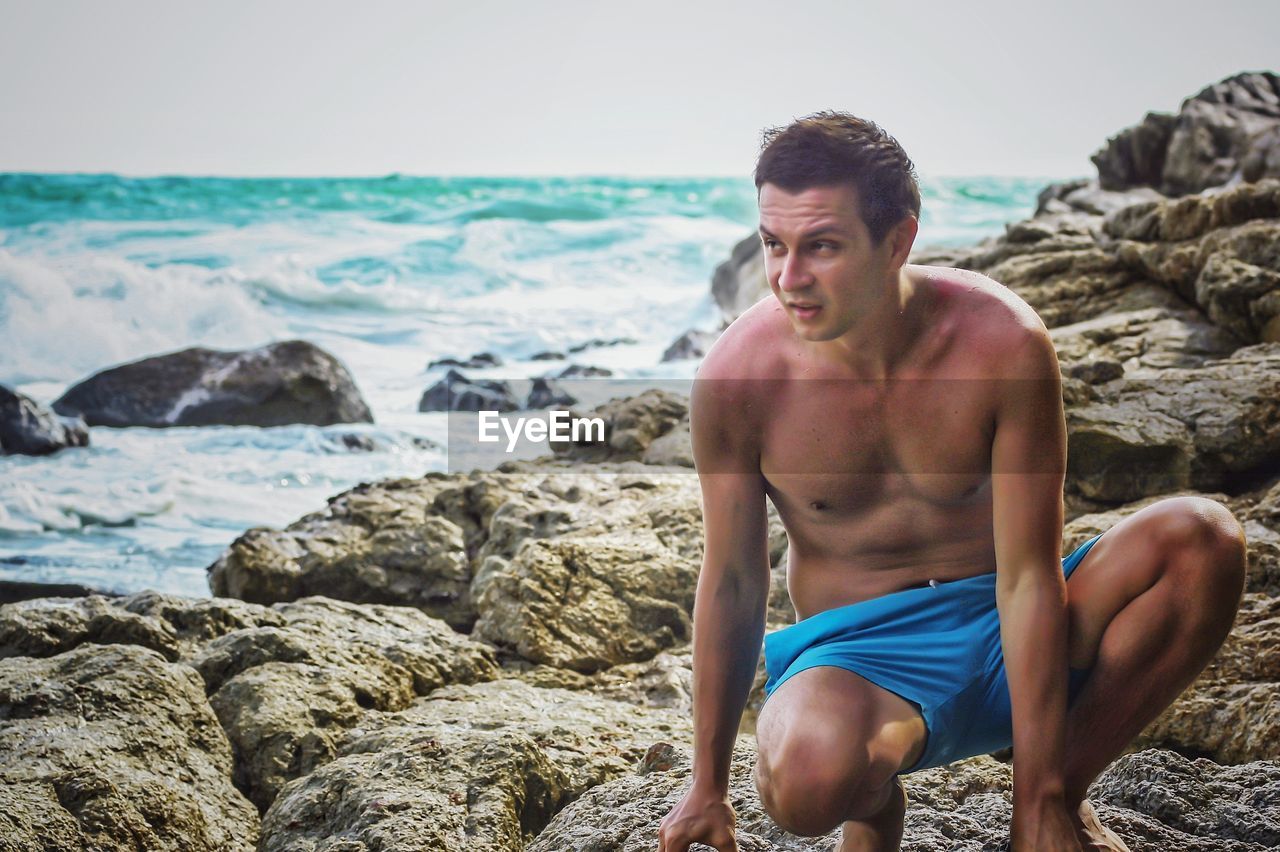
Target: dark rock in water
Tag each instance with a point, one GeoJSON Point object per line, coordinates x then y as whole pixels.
{"type": "Point", "coordinates": [12, 591]}
{"type": "Point", "coordinates": [483, 359]}
{"type": "Point", "coordinates": [546, 393]}
{"type": "Point", "coordinates": [578, 371]}
{"type": "Point", "coordinates": [1216, 133]}
{"type": "Point", "coordinates": [691, 344]}
{"type": "Point", "coordinates": [547, 355]}
{"type": "Point", "coordinates": [283, 383]}
{"type": "Point", "coordinates": [113, 748]}
{"type": "Point", "coordinates": [455, 392]}
{"type": "Point", "coordinates": [30, 429]}
{"type": "Point", "coordinates": [600, 343]}
{"type": "Point", "coordinates": [739, 282]}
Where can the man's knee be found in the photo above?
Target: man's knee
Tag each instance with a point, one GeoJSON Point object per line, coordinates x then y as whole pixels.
{"type": "Point", "coordinates": [809, 786]}
{"type": "Point", "coordinates": [1203, 544]}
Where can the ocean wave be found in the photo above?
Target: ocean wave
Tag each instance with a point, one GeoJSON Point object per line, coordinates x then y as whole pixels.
{"type": "Point", "coordinates": [62, 318]}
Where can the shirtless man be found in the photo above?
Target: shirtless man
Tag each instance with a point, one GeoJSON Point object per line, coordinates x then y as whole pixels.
{"type": "Point", "coordinates": [907, 423]}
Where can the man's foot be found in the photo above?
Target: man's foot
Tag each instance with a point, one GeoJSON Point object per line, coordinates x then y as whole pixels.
{"type": "Point", "coordinates": [1094, 836]}
{"type": "Point", "coordinates": [880, 833]}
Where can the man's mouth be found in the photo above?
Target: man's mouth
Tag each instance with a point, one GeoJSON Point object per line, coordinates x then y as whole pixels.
{"type": "Point", "coordinates": [805, 309]}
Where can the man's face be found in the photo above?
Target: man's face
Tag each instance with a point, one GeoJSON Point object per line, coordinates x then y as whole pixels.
{"type": "Point", "coordinates": [820, 260]}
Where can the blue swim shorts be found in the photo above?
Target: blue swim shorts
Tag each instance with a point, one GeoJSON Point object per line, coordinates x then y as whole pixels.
{"type": "Point", "coordinates": [937, 646]}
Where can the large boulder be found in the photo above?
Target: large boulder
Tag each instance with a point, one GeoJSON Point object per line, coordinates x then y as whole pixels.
{"type": "Point", "coordinates": [28, 428]}
{"type": "Point", "coordinates": [397, 542]}
{"type": "Point", "coordinates": [635, 426]}
{"type": "Point", "coordinates": [480, 767]}
{"type": "Point", "coordinates": [1205, 145]}
{"type": "Point", "coordinates": [421, 542]}
{"type": "Point", "coordinates": [288, 382]}
{"type": "Point", "coordinates": [113, 748]}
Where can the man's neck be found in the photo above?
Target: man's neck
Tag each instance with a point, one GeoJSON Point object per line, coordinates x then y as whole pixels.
{"type": "Point", "coordinates": [881, 340]}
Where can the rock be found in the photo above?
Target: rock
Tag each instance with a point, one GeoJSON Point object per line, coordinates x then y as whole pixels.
{"type": "Point", "coordinates": [1201, 429]}
{"type": "Point", "coordinates": [12, 591]}
{"type": "Point", "coordinates": [740, 282]}
{"type": "Point", "coordinates": [547, 355]}
{"type": "Point", "coordinates": [1153, 800]}
{"type": "Point", "coordinates": [1140, 343]}
{"type": "Point", "coordinates": [546, 393]}
{"type": "Point", "coordinates": [30, 429]}
{"type": "Point", "coordinates": [114, 748]}
{"type": "Point", "coordinates": [285, 694]}
{"type": "Point", "coordinates": [419, 542]}
{"type": "Point", "coordinates": [632, 425]}
{"type": "Point", "coordinates": [691, 344]}
{"type": "Point", "coordinates": [1085, 196]}
{"type": "Point", "coordinates": [600, 343]}
{"type": "Point", "coordinates": [673, 448]}
{"type": "Point", "coordinates": [586, 604]}
{"type": "Point", "coordinates": [479, 767]}
{"type": "Point", "coordinates": [455, 392]}
{"type": "Point", "coordinates": [475, 362]}
{"type": "Point", "coordinates": [1207, 144]}
{"type": "Point", "coordinates": [289, 382]}
{"type": "Point", "coordinates": [1136, 156]}
{"type": "Point", "coordinates": [1218, 252]}
{"type": "Point", "coordinates": [384, 543]}
{"type": "Point", "coordinates": [1263, 157]}
{"type": "Point", "coordinates": [578, 371]}
{"type": "Point", "coordinates": [284, 682]}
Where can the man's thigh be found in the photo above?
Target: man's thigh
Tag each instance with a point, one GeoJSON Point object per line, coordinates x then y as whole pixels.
{"type": "Point", "coordinates": [829, 720]}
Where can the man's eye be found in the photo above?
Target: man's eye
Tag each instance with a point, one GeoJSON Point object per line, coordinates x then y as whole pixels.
{"type": "Point", "coordinates": [771, 245]}
{"type": "Point", "coordinates": [823, 245]}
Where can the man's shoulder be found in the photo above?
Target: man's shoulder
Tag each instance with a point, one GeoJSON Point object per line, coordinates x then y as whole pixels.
{"type": "Point", "coordinates": [990, 319]}
{"type": "Point", "coordinates": [750, 348]}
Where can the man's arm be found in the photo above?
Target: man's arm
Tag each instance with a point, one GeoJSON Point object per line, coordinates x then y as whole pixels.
{"type": "Point", "coordinates": [1028, 468]}
{"type": "Point", "coordinates": [729, 609]}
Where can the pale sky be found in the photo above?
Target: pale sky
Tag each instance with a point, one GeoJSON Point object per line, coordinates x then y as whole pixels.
{"type": "Point", "coordinates": [659, 87]}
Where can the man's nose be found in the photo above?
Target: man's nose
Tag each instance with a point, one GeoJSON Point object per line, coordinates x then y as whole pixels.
{"type": "Point", "coordinates": [794, 276]}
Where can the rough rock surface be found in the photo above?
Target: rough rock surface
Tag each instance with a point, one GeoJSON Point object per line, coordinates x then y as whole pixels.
{"type": "Point", "coordinates": [114, 748]}
{"type": "Point", "coordinates": [633, 426]}
{"type": "Point", "coordinates": [479, 767]}
{"type": "Point", "coordinates": [30, 429]}
{"type": "Point", "coordinates": [1154, 800]}
{"type": "Point", "coordinates": [587, 604]}
{"type": "Point", "coordinates": [288, 382]}
{"type": "Point", "coordinates": [424, 542]}
{"type": "Point", "coordinates": [1206, 144]}
{"type": "Point", "coordinates": [284, 681]}
{"type": "Point", "coordinates": [691, 344]}
{"type": "Point", "coordinates": [1204, 429]}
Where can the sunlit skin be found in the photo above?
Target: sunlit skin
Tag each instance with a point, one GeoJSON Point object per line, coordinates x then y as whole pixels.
{"type": "Point", "coordinates": [1145, 610]}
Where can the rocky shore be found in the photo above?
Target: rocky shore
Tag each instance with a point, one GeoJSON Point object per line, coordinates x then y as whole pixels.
{"type": "Point", "coordinates": [500, 660]}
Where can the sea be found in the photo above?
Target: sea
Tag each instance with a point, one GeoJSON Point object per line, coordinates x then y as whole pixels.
{"type": "Point", "coordinates": [388, 274]}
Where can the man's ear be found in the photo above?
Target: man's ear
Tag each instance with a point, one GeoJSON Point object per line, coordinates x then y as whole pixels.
{"type": "Point", "coordinates": [901, 238]}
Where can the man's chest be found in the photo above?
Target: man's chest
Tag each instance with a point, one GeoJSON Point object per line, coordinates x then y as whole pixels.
{"type": "Point", "coordinates": [844, 444]}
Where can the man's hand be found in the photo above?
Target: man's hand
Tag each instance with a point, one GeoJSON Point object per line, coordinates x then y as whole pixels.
{"type": "Point", "coordinates": [702, 816]}
{"type": "Point", "coordinates": [1046, 827]}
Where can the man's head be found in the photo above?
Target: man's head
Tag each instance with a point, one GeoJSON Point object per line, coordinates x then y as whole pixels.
{"type": "Point", "coordinates": [835, 148]}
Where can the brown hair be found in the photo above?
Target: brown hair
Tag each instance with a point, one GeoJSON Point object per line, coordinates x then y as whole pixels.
{"type": "Point", "coordinates": [831, 148]}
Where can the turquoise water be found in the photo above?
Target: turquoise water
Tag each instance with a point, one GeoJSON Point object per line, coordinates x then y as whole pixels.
{"type": "Point", "coordinates": [387, 273]}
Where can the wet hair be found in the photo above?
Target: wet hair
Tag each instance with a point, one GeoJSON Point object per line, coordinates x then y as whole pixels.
{"type": "Point", "coordinates": [833, 148]}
